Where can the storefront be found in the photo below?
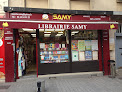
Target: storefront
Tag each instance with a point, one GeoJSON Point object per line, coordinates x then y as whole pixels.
{"type": "Point", "coordinates": [66, 41]}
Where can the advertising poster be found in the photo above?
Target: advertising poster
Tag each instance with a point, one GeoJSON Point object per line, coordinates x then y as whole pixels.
{"type": "Point", "coordinates": [74, 55]}
{"type": "Point", "coordinates": [88, 44]}
{"type": "Point", "coordinates": [56, 45]}
{"type": "Point", "coordinates": [94, 44]}
{"type": "Point", "coordinates": [2, 56]}
{"type": "Point", "coordinates": [74, 45]}
{"type": "Point", "coordinates": [95, 55]}
{"type": "Point", "coordinates": [81, 45]}
{"type": "Point", "coordinates": [42, 45]}
{"type": "Point", "coordinates": [81, 56]}
{"type": "Point", "coordinates": [88, 55]}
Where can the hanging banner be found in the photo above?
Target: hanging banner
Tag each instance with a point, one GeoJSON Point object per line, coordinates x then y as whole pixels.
{"type": "Point", "coordinates": [2, 56]}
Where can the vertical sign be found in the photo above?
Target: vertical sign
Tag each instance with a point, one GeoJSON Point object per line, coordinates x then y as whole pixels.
{"type": "Point", "coordinates": [9, 54]}
{"type": "Point", "coordinates": [2, 55]}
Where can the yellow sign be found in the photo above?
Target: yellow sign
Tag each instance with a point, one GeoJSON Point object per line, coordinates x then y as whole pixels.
{"type": "Point", "coordinates": [61, 17]}
{"type": "Point", "coordinates": [112, 26]}
{"type": "Point", "coordinates": [5, 24]}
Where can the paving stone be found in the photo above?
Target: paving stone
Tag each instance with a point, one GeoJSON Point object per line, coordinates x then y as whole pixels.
{"type": "Point", "coordinates": [92, 84]}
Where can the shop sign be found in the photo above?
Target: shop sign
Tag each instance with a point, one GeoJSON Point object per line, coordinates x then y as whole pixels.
{"type": "Point", "coordinates": [61, 17]}
{"type": "Point", "coordinates": [61, 26]}
{"type": "Point", "coordinates": [2, 51]}
{"type": "Point", "coordinates": [58, 17]}
{"type": "Point", "coordinates": [21, 15]}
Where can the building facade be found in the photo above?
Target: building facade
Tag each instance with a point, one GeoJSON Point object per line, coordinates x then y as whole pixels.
{"type": "Point", "coordinates": [93, 15]}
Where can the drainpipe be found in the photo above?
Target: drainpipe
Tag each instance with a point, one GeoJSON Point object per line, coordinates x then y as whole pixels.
{"type": "Point", "coordinates": [25, 3]}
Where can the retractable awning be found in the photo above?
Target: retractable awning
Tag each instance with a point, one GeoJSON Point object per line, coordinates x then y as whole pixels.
{"type": "Point", "coordinates": [32, 24]}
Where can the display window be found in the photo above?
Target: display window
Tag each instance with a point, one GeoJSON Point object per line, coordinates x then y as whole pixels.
{"type": "Point", "coordinates": [84, 45]}
{"type": "Point", "coordinates": [53, 47]}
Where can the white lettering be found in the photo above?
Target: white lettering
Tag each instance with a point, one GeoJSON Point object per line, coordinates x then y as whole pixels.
{"type": "Point", "coordinates": [85, 26]}
{"type": "Point", "coordinates": [61, 27]}
{"type": "Point", "coordinates": [73, 26]}
{"type": "Point", "coordinates": [54, 27]}
{"type": "Point", "coordinates": [68, 26]}
{"type": "Point", "coordinates": [76, 27]}
{"type": "Point", "coordinates": [39, 26]}
{"type": "Point", "coordinates": [46, 26]}
{"type": "Point", "coordinates": [57, 26]}
{"type": "Point", "coordinates": [50, 26]}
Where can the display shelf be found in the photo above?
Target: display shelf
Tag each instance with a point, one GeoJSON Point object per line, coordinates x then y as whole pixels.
{"type": "Point", "coordinates": [53, 54]}
{"type": "Point", "coordinates": [53, 60]}
{"type": "Point", "coordinates": [53, 50]}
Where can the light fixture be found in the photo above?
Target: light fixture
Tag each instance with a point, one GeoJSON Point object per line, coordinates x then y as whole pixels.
{"type": "Point", "coordinates": [46, 35]}
{"type": "Point", "coordinates": [26, 29]}
{"type": "Point", "coordinates": [60, 32]}
{"type": "Point", "coordinates": [33, 34]}
{"type": "Point", "coordinates": [47, 32]}
{"type": "Point", "coordinates": [72, 34]}
{"type": "Point", "coordinates": [42, 30]}
{"type": "Point", "coordinates": [75, 31]}
{"type": "Point", "coordinates": [59, 29]}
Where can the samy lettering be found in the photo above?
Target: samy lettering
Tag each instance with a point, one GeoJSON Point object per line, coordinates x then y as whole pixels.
{"type": "Point", "coordinates": [61, 17]}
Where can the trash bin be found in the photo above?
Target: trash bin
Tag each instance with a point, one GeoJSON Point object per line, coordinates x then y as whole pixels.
{"type": "Point", "coordinates": [112, 69]}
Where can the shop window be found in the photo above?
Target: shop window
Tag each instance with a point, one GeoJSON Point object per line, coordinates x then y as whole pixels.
{"type": "Point", "coordinates": [84, 45]}
{"type": "Point", "coordinates": [53, 47]}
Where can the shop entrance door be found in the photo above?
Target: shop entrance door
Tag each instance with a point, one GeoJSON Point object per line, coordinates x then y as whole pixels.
{"type": "Point", "coordinates": [26, 53]}
{"type": "Point", "coordinates": [118, 50]}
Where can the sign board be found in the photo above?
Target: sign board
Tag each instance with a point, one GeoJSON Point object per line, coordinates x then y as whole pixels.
{"type": "Point", "coordinates": [59, 17]}
{"type": "Point", "coordinates": [2, 55]}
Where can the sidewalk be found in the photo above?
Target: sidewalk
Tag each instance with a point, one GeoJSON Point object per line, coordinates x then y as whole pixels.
{"type": "Point", "coordinates": [91, 84]}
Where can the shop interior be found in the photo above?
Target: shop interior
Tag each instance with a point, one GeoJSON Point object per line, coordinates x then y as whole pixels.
{"type": "Point", "coordinates": [53, 44]}
{"type": "Point", "coordinates": [26, 52]}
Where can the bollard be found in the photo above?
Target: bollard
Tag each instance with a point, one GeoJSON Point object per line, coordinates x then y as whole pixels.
{"type": "Point", "coordinates": [39, 86]}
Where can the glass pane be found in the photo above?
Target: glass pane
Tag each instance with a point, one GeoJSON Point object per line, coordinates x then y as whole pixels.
{"type": "Point", "coordinates": [53, 47]}
{"type": "Point", "coordinates": [84, 45]}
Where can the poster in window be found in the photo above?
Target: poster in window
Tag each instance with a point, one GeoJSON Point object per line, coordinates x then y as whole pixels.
{"type": "Point", "coordinates": [42, 45]}
{"type": "Point", "coordinates": [81, 56]}
{"type": "Point", "coordinates": [88, 55]}
{"type": "Point", "coordinates": [74, 44]}
{"type": "Point", "coordinates": [88, 44]}
{"type": "Point", "coordinates": [94, 44]}
{"type": "Point", "coordinates": [74, 55]}
{"type": "Point", "coordinates": [95, 55]}
{"type": "Point", "coordinates": [81, 45]}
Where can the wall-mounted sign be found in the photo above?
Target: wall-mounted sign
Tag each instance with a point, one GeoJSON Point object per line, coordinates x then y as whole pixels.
{"type": "Point", "coordinates": [2, 56]}
{"type": "Point", "coordinates": [58, 17]}
{"type": "Point", "coordinates": [61, 17]}
{"type": "Point", "coordinates": [45, 17]}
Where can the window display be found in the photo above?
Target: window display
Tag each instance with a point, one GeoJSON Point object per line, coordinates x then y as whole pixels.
{"type": "Point", "coordinates": [53, 49]}
{"type": "Point", "coordinates": [54, 54]}
{"type": "Point", "coordinates": [84, 45]}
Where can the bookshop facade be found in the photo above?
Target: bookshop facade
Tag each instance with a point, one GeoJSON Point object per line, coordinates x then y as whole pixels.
{"type": "Point", "coordinates": [66, 41]}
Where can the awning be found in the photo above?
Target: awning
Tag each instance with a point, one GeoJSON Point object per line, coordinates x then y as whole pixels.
{"type": "Point", "coordinates": [74, 25]}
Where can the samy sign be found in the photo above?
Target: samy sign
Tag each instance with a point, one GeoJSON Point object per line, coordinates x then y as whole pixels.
{"type": "Point", "coordinates": [62, 26]}
{"type": "Point", "coordinates": [61, 17]}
